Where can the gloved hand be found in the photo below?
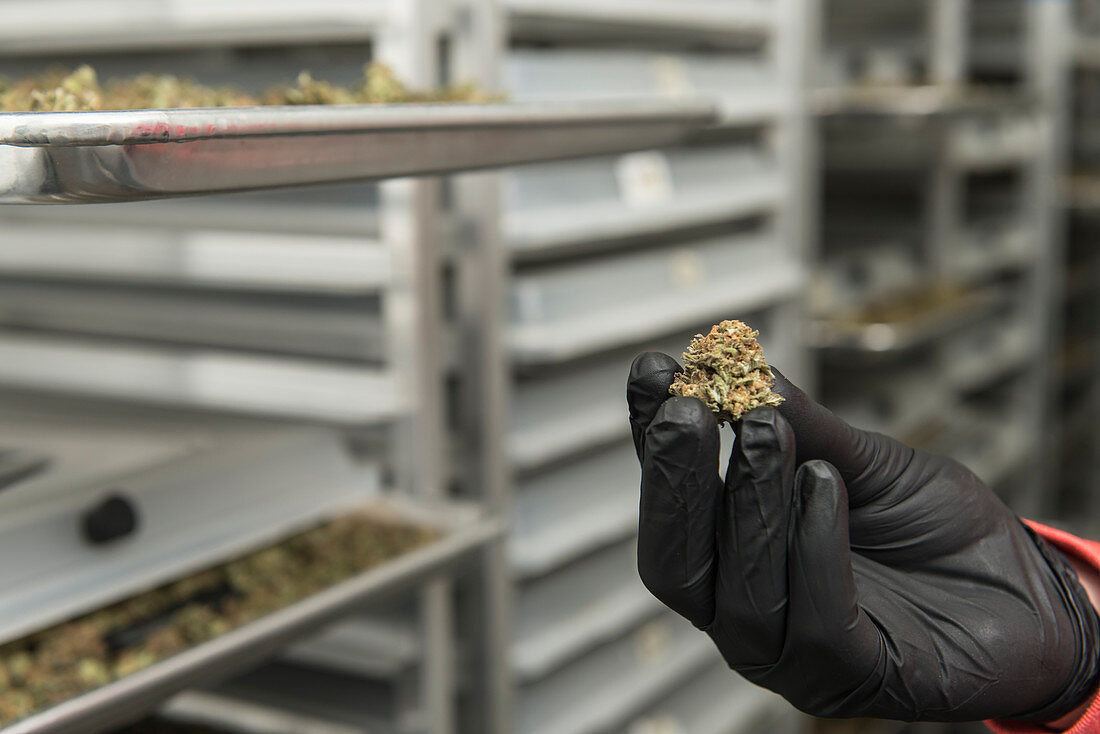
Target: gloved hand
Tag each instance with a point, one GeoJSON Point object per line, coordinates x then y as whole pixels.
{"type": "Point", "coordinates": [850, 573]}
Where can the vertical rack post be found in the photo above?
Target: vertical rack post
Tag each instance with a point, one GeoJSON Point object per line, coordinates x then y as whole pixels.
{"type": "Point", "coordinates": [947, 52]}
{"type": "Point", "coordinates": [1047, 63]}
{"type": "Point", "coordinates": [483, 265]}
{"type": "Point", "coordinates": [796, 42]}
{"type": "Point", "coordinates": [410, 216]}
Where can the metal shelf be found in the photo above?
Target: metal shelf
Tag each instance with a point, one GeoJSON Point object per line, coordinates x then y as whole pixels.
{"type": "Point", "coordinates": [68, 26]}
{"type": "Point", "coordinates": [984, 250]}
{"type": "Point", "coordinates": [566, 411]}
{"type": "Point", "coordinates": [744, 87]}
{"type": "Point", "coordinates": [374, 705]}
{"type": "Point", "coordinates": [1084, 194]}
{"type": "Point", "coordinates": [603, 691]}
{"type": "Point", "coordinates": [68, 157]}
{"type": "Point", "coordinates": [542, 235]}
{"type": "Point", "coordinates": [200, 257]}
{"type": "Point", "coordinates": [365, 646]}
{"type": "Point", "coordinates": [540, 444]}
{"type": "Point", "coordinates": [325, 328]}
{"type": "Point", "coordinates": [202, 708]}
{"type": "Point", "coordinates": [559, 519]}
{"type": "Point", "coordinates": [1087, 51]}
{"type": "Point", "coordinates": [662, 311]}
{"type": "Point", "coordinates": [694, 22]}
{"type": "Point", "coordinates": [883, 338]}
{"type": "Point", "coordinates": [535, 657]}
{"type": "Point", "coordinates": [203, 379]}
{"type": "Point", "coordinates": [555, 210]}
{"type": "Point", "coordinates": [716, 702]}
{"type": "Point", "coordinates": [205, 488]}
{"type": "Point", "coordinates": [464, 530]}
{"type": "Point", "coordinates": [913, 101]}
{"type": "Point", "coordinates": [328, 210]}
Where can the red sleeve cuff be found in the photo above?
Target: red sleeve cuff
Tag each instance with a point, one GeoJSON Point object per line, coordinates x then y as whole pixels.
{"type": "Point", "coordinates": [1088, 553]}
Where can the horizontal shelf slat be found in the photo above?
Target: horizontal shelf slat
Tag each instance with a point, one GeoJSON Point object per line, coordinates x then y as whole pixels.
{"type": "Point", "coordinates": [198, 257]}
{"type": "Point", "coordinates": [541, 234]}
{"type": "Point", "coordinates": [1087, 51]}
{"type": "Point", "coordinates": [569, 338]}
{"type": "Point", "coordinates": [912, 101]}
{"type": "Point", "coordinates": [538, 553]}
{"type": "Point", "coordinates": [613, 702]}
{"type": "Point", "coordinates": [718, 701]}
{"type": "Point", "coordinates": [128, 25]}
{"type": "Point", "coordinates": [535, 656]}
{"type": "Point", "coordinates": [299, 388]}
{"type": "Point", "coordinates": [206, 709]}
{"type": "Point", "coordinates": [362, 646]}
{"type": "Point", "coordinates": [686, 21]}
{"type": "Point", "coordinates": [883, 338]}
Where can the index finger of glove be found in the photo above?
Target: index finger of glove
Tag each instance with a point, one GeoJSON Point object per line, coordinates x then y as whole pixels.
{"type": "Point", "coordinates": [680, 497]}
{"type": "Point", "coordinates": [651, 376]}
{"type": "Point", "coordinates": [867, 462]}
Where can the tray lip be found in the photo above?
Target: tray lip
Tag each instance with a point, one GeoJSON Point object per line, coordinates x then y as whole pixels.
{"type": "Point", "coordinates": [916, 101]}
{"type": "Point", "coordinates": [857, 338]}
{"type": "Point", "coordinates": [464, 525]}
{"type": "Point", "coordinates": [145, 127]}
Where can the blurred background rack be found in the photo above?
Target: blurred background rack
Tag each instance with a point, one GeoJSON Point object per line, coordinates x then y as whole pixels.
{"type": "Point", "coordinates": [902, 197]}
{"type": "Point", "coordinates": [940, 143]}
{"type": "Point", "coordinates": [605, 258]}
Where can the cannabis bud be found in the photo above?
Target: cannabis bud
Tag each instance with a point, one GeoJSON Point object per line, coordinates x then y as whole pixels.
{"type": "Point", "coordinates": [726, 370]}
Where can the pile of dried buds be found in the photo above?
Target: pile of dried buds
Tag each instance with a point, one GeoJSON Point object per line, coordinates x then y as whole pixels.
{"type": "Point", "coordinates": [64, 661]}
{"type": "Point", "coordinates": [60, 90]}
{"type": "Point", "coordinates": [726, 370]}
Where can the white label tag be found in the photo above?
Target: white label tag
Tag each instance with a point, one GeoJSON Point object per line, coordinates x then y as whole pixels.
{"type": "Point", "coordinates": [645, 179]}
{"type": "Point", "coordinates": [686, 269]}
{"type": "Point", "coordinates": [657, 724]}
{"type": "Point", "coordinates": [651, 643]}
{"type": "Point", "coordinates": [670, 73]}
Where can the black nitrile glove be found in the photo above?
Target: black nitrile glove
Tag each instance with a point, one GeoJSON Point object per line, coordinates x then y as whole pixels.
{"type": "Point", "coordinates": [850, 573]}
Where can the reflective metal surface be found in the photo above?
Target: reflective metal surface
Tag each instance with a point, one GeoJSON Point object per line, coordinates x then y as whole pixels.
{"type": "Point", "coordinates": [914, 101]}
{"type": "Point", "coordinates": [719, 22]}
{"type": "Point", "coordinates": [70, 157]}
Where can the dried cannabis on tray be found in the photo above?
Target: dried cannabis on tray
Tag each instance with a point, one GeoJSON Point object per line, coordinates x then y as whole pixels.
{"type": "Point", "coordinates": [60, 90]}
{"type": "Point", "coordinates": [726, 370]}
{"type": "Point", "coordinates": [72, 658]}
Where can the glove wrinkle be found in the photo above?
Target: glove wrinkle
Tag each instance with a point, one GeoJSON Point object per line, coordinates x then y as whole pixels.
{"type": "Point", "coordinates": [751, 593]}
{"type": "Point", "coordinates": [1085, 673]}
{"type": "Point", "coordinates": [680, 491]}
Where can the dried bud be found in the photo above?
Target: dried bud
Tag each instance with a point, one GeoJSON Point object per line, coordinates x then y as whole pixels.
{"type": "Point", "coordinates": [726, 370]}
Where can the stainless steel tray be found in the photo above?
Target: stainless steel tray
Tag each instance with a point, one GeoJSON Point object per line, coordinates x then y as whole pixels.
{"type": "Point", "coordinates": [913, 101]}
{"type": "Point", "coordinates": [1087, 51]}
{"type": "Point", "coordinates": [1084, 194]}
{"type": "Point", "coordinates": [127, 699]}
{"type": "Point", "coordinates": [72, 157]}
{"type": "Point", "coordinates": [882, 339]}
